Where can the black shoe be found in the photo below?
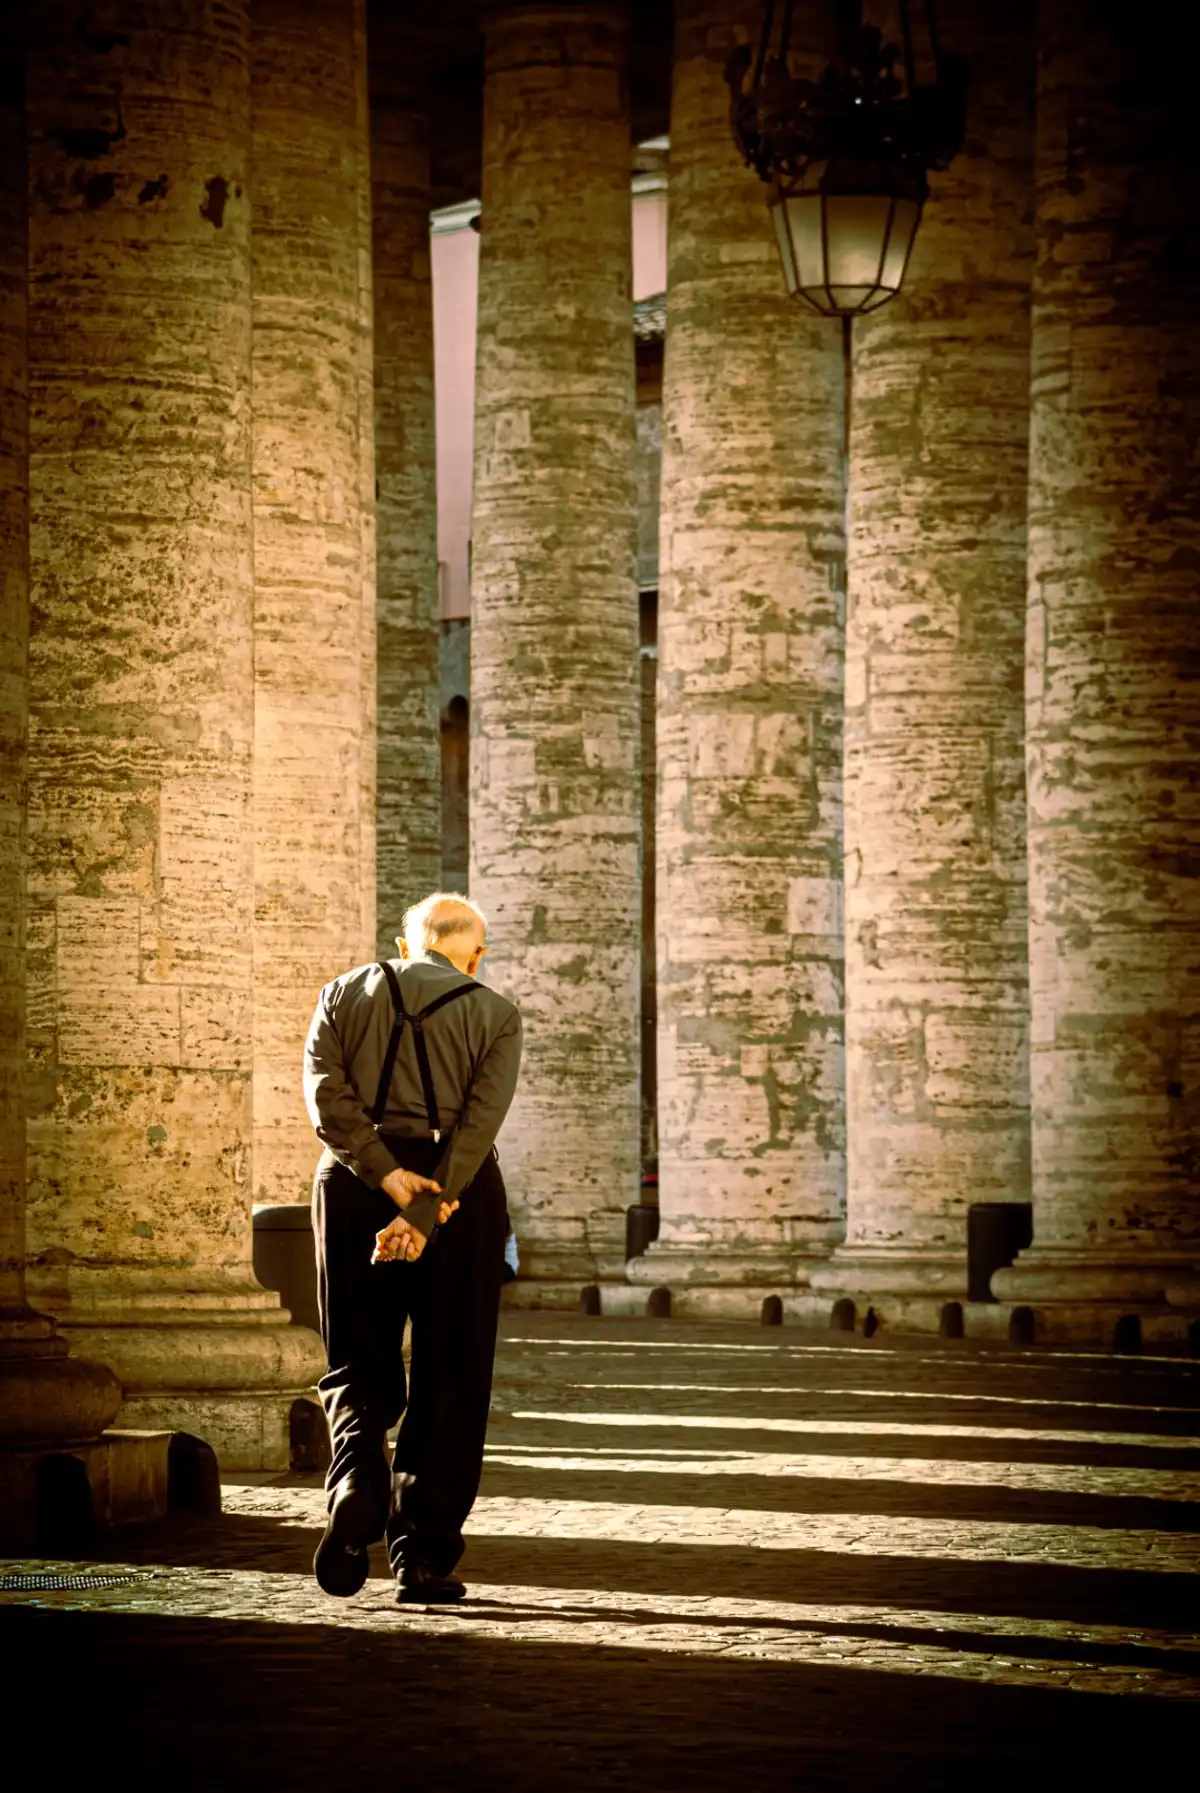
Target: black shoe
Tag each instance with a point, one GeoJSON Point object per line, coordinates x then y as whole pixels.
{"type": "Point", "coordinates": [340, 1564]}
{"type": "Point", "coordinates": [419, 1586]}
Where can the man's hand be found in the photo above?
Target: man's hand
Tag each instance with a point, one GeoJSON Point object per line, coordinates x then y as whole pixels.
{"type": "Point", "coordinates": [400, 1243]}
{"type": "Point", "coordinates": [402, 1185]}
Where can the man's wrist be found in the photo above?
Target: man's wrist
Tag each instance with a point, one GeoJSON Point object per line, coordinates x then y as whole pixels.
{"type": "Point", "coordinates": [396, 1186]}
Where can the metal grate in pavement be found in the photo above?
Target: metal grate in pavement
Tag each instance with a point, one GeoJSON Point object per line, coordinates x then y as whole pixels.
{"type": "Point", "coordinates": [47, 1583]}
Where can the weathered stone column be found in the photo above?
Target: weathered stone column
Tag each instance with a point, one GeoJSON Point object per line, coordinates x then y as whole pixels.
{"type": "Point", "coordinates": [141, 881]}
{"type": "Point", "coordinates": [45, 1396]}
{"type": "Point", "coordinates": [1112, 682]}
{"type": "Point", "coordinates": [308, 167]}
{"type": "Point", "coordinates": [409, 800]}
{"type": "Point", "coordinates": [936, 959]}
{"type": "Point", "coordinates": [749, 728]}
{"type": "Point", "coordinates": [554, 633]}
{"type": "Point", "coordinates": [368, 622]}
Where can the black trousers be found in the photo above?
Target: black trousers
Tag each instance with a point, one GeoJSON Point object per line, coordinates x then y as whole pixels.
{"type": "Point", "coordinates": [452, 1296]}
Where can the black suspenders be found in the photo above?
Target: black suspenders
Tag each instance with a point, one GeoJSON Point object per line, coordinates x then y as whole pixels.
{"type": "Point", "coordinates": [417, 1023]}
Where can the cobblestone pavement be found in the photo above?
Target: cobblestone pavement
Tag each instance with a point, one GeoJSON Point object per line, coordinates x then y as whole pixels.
{"type": "Point", "coordinates": [703, 1557]}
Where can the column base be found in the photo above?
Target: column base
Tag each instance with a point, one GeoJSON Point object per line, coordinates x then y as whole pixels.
{"type": "Point", "coordinates": [651, 1298]}
{"type": "Point", "coordinates": [232, 1385]}
{"type": "Point", "coordinates": [770, 1269]}
{"type": "Point", "coordinates": [121, 1480]}
{"type": "Point", "coordinates": [873, 1286]}
{"type": "Point", "coordinates": [251, 1429]}
{"type": "Point", "coordinates": [702, 1282]}
{"type": "Point", "coordinates": [1046, 1273]}
{"type": "Point", "coordinates": [535, 1294]}
{"type": "Point", "coordinates": [46, 1396]}
{"type": "Point", "coordinates": [594, 1249]}
{"type": "Point", "coordinates": [941, 1314]}
{"type": "Point", "coordinates": [1109, 1300]}
{"type": "Point", "coordinates": [859, 1272]}
{"type": "Point", "coordinates": [1122, 1326]}
{"type": "Point", "coordinates": [211, 1353]}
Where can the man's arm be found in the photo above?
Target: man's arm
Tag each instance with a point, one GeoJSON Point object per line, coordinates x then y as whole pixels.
{"type": "Point", "coordinates": [487, 1102]}
{"type": "Point", "coordinates": [335, 1107]}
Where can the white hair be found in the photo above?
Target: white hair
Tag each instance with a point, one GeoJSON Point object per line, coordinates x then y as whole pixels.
{"type": "Point", "coordinates": [421, 933]}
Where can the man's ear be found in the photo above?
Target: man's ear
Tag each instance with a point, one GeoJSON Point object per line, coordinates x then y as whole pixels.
{"type": "Point", "coordinates": [403, 945]}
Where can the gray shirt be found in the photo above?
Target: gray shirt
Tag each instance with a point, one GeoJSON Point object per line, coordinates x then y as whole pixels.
{"type": "Point", "coordinates": [474, 1049]}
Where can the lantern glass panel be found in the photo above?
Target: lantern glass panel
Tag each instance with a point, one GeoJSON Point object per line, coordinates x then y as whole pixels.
{"type": "Point", "coordinates": [850, 298]}
{"type": "Point", "coordinates": [843, 253]}
{"type": "Point", "coordinates": [856, 231]}
{"type": "Point", "coordinates": [805, 211]}
{"type": "Point", "coordinates": [904, 229]}
{"type": "Point", "coordinates": [783, 236]}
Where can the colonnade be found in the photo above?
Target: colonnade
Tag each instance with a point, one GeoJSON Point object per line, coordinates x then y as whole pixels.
{"type": "Point", "coordinates": [927, 699]}
{"type": "Point", "coordinates": [1005, 544]}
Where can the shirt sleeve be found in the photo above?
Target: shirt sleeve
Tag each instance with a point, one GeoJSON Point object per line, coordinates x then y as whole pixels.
{"type": "Point", "coordinates": [488, 1101]}
{"type": "Point", "coordinates": [335, 1107]}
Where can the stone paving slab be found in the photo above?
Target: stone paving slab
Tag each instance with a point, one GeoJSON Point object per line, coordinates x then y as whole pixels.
{"type": "Point", "coordinates": [697, 1560]}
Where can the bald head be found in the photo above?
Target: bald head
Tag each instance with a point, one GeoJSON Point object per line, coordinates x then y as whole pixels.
{"type": "Point", "coordinates": [448, 924]}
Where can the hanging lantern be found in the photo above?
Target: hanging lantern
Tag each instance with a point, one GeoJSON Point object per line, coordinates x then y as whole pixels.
{"type": "Point", "coordinates": [846, 158]}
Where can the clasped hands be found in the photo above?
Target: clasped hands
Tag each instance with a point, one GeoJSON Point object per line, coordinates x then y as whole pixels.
{"type": "Point", "coordinates": [398, 1242]}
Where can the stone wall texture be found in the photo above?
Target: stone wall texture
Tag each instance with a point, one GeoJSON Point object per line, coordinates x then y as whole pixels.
{"type": "Point", "coordinates": [140, 878]}
{"type": "Point", "coordinates": [749, 719]}
{"type": "Point", "coordinates": [937, 1062]}
{"type": "Point", "coordinates": [409, 802]}
{"type": "Point", "coordinates": [311, 849]}
{"type": "Point", "coordinates": [14, 640]}
{"type": "Point", "coordinates": [1113, 678]}
{"type": "Point", "coordinates": [554, 635]}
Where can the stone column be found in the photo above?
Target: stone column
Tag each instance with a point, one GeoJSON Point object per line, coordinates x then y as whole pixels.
{"type": "Point", "coordinates": [310, 669]}
{"type": "Point", "coordinates": [936, 959]}
{"type": "Point", "coordinates": [409, 800]}
{"type": "Point", "coordinates": [368, 582]}
{"type": "Point", "coordinates": [554, 633]}
{"type": "Point", "coordinates": [45, 1396]}
{"type": "Point", "coordinates": [140, 883]}
{"type": "Point", "coordinates": [749, 728]}
{"type": "Point", "coordinates": [1112, 680]}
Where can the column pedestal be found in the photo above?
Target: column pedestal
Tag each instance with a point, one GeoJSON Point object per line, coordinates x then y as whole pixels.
{"type": "Point", "coordinates": [222, 1362]}
{"type": "Point", "coordinates": [62, 1470]}
{"type": "Point", "coordinates": [1093, 1297]}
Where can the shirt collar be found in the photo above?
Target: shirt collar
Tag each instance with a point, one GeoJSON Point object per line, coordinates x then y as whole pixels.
{"type": "Point", "coordinates": [433, 958]}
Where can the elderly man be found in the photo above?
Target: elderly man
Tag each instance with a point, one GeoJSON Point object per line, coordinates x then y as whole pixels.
{"type": "Point", "coordinates": [409, 1070]}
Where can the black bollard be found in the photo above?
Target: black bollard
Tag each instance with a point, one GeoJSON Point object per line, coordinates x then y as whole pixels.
{"type": "Point", "coordinates": [996, 1232]}
{"type": "Point", "coordinates": [641, 1227]}
{"type": "Point", "coordinates": [285, 1258]}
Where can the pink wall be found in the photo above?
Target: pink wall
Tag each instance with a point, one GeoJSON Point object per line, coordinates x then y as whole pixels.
{"type": "Point", "coordinates": [649, 244]}
{"type": "Point", "coordinates": [455, 256]}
